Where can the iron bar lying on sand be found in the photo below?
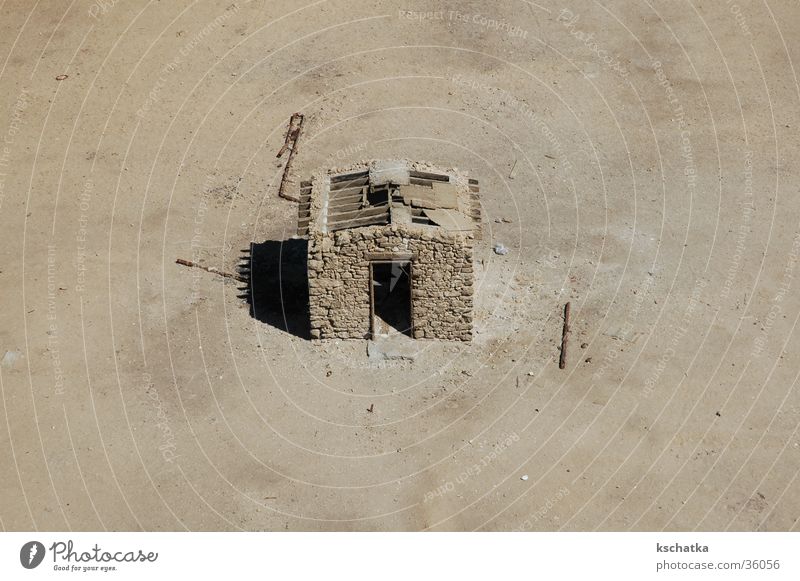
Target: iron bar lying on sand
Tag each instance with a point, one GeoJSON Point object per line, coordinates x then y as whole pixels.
{"type": "Point", "coordinates": [210, 269]}
{"type": "Point", "coordinates": [562, 360]}
{"type": "Point", "coordinates": [292, 135]}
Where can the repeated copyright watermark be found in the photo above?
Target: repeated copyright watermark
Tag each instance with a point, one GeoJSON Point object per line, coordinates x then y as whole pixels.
{"type": "Point", "coordinates": [473, 469]}
{"type": "Point", "coordinates": [202, 208]}
{"type": "Point", "coordinates": [53, 341]}
{"type": "Point", "coordinates": [679, 331]}
{"type": "Point", "coordinates": [508, 99]}
{"type": "Point", "coordinates": [747, 207]}
{"type": "Point", "coordinates": [570, 21]}
{"type": "Point", "coordinates": [100, 8]}
{"type": "Point", "coordinates": [82, 235]}
{"type": "Point", "coordinates": [473, 19]}
{"type": "Point", "coordinates": [544, 509]}
{"type": "Point", "coordinates": [15, 124]}
{"type": "Point", "coordinates": [154, 95]}
{"type": "Point", "coordinates": [739, 17]}
{"type": "Point", "coordinates": [167, 445]}
{"type": "Point", "coordinates": [776, 304]}
{"type": "Point", "coordinates": [628, 327]}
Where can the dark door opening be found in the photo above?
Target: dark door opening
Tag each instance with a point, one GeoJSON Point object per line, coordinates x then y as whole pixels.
{"type": "Point", "coordinates": [391, 297]}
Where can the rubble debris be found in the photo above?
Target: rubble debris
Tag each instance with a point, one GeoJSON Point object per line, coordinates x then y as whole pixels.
{"type": "Point", "coordinates": [500, 249]}
{"type": "Point", "coordinates": [10, 358]}
{"type": "Point", "coordinates": [389, 351]}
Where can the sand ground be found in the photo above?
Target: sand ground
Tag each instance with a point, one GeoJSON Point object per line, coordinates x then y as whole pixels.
{"type": "Point", "coordinates": [638, 160]}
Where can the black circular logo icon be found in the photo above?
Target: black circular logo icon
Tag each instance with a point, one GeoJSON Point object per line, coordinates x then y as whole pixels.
{"type": "Point", "coordinates": [31, 554]}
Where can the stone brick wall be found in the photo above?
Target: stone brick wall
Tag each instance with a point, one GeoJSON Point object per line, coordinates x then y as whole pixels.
{"type": "Point", "coordinates": [442, 280]}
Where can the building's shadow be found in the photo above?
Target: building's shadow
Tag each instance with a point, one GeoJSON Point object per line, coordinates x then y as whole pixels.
{"type": "Point", "coordinates": [277, 291]}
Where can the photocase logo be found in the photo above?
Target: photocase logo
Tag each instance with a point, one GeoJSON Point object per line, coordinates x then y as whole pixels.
{"type": "Point", "coordinates": [31, 554]}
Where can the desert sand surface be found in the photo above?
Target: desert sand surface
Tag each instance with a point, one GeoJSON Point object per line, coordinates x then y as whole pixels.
{"type": "Point", "coordinates": [637, 159]}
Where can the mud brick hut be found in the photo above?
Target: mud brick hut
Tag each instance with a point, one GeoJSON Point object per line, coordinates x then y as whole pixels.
{"type": "Point", "coordinates": [390, 248]}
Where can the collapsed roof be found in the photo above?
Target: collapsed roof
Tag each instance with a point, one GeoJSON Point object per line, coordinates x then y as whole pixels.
{"type": "Point", "coordinates": [389, 192]}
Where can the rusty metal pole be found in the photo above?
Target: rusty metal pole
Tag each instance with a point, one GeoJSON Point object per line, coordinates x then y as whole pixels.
{"type": "Point", "coordinates": [292, 136]}
{"type": "Point", "coordinates": [562, 360]}
{"type": "Point", "coordinates": [210, 269]}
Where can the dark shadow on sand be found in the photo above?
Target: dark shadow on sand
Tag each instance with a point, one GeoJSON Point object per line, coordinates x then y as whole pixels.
{"type": "Point", "coordinates": [277, 291]}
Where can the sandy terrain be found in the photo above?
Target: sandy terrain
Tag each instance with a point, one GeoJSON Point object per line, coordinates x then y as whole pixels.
{"type": "Point", "coordinates": [637, 159]}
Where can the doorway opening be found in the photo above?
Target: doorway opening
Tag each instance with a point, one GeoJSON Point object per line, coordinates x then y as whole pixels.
{"type": "Point", "coordinates": [390, 297]}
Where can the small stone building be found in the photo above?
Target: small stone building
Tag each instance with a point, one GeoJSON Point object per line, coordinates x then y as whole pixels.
{"type": "Point", "coordinates": [390, 248]}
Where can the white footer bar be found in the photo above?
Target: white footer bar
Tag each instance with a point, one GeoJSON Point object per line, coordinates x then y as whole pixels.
{"type": "Point", "coordinates": [401, 556]}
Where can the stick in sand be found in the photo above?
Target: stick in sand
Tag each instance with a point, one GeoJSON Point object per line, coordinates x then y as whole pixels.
{"type": "Point", "coordinates": [562, 360]}
{"type": "Point", "coordinates": [210, 269]}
